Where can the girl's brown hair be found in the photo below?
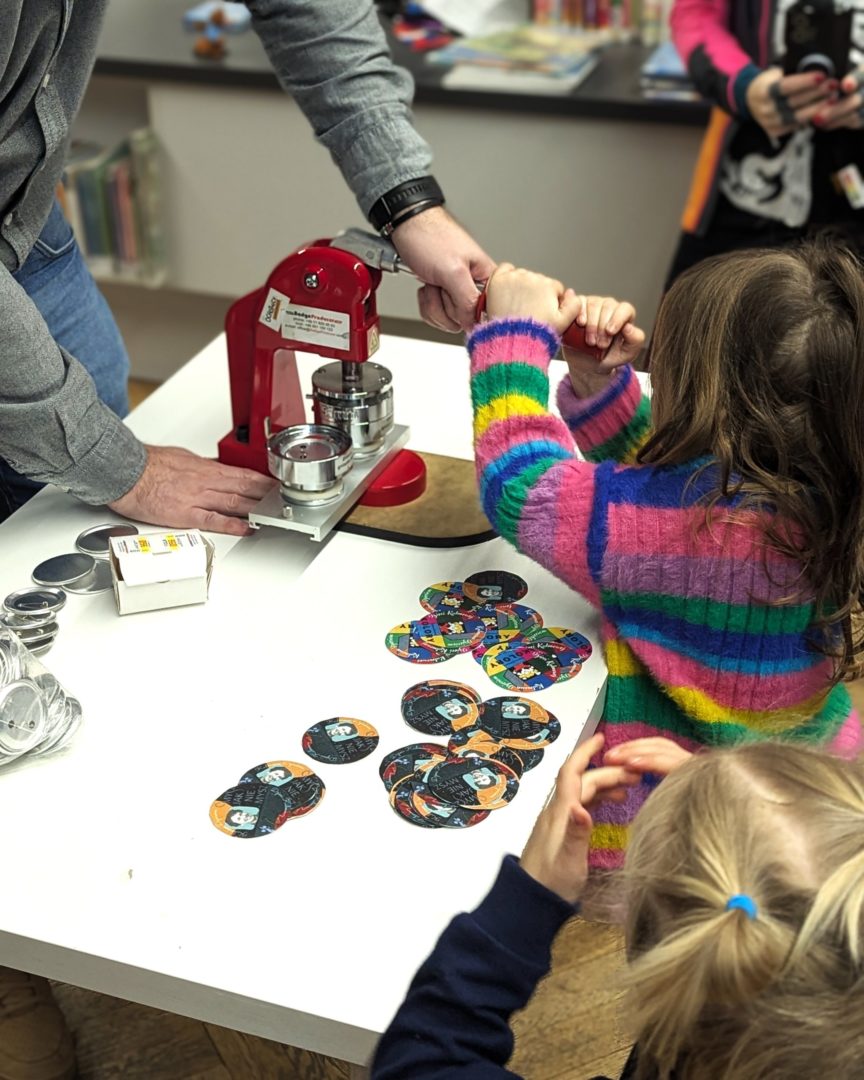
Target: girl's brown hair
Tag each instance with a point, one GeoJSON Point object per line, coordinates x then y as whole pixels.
{"type": "Point", "coordinates": [758, 361]}
{"type": "Point", "coordinates": [715, 995]}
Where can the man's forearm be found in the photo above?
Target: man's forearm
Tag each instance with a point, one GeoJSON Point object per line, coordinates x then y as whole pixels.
{"type": "Point", "coordinates": [332, 56]}
{"type": "Point", "coordinates": [53, 428]}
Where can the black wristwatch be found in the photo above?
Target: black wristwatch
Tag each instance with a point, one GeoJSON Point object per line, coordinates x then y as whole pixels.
{"type": "Point", "coordinates": [404, 201]}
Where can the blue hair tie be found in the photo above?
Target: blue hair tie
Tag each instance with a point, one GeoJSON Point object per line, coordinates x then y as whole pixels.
{"type": "Point", "coordinates": [742, 902]}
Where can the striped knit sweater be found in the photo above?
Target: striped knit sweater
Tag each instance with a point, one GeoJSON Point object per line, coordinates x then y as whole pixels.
{"type": "Point", "coordinates": [695, 648]}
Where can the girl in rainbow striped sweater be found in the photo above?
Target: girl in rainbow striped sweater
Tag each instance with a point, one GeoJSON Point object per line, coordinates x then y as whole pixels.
{"type": "Point", "coordinates": [719, 527]}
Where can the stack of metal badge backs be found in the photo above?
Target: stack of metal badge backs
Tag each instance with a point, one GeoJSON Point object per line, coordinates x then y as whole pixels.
{"type": "Point", "coordinates": [32, 612]}
{"type": "Point", "coordinates": [37, 716]}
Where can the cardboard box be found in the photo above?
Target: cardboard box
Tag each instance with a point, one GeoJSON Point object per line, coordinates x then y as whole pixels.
{"type": "Point", "coordinates": [158, 570]}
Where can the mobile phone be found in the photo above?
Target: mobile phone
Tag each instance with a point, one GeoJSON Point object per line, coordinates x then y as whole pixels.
{"type": "Point", "coordinates": [818, 38]}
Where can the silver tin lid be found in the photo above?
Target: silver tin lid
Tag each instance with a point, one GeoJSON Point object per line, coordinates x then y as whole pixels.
{"type": "Point", "coordinates": [22, 717]}
{"type": "Point", "coordinates": [64, 569]}
{"type": "Point", "coordinates": [95, 541]}
{"type": "Point", "coordinates": [35, 634]}
{"type": "Point", "coordinates": [98, 580]}
{"type": "Point", "coordinates": [332, 381]}
{"type": "Point", "coordinates": [34, 600]}
{"type": "Point", "coordinates": [39, 648]}
{"type": "Point", "coordinates": [18, 622]}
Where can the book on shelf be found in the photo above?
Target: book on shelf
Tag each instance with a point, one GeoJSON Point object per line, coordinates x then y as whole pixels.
{"type": "Point", "coordinates": [532, 49]}
{"type": "Point", "coordinates": [519, 80]}
{"type": "Point", "coordinates": [112, 199]}
{"type": "Point", "coordinates": [664, 76]}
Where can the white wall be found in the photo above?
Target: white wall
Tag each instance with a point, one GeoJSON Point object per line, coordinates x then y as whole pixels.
{"type": "Point", "coordinates": [593, 202]}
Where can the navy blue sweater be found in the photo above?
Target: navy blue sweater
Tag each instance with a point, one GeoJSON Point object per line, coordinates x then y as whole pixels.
{"type": "Point", "coordinates": [455, 1020]}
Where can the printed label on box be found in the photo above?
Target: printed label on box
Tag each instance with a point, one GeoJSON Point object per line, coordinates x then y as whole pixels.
{"type": "Point", "coordinates": [317, 326]}
{"type": "Point", "coordinates": [273, 310]}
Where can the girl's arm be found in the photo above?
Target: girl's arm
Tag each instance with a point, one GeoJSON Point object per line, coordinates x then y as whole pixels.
{"type": "Point", "coordinates": [455, 1021]}
{"type": "Point", "coordinates": [534, 489]}
{"type": "Point", "coordinates": [614, 422]}
{"type": "Point", "coordinates": [536, 493]}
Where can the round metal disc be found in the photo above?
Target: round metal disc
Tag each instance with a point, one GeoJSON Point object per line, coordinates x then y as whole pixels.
{"type": "Point", "coordinates": [95, 541]}
{"type": "Point", "coordinates": [98, 580]}
{"type": "Point", "coordinates": [11, 654]}
{"type": "Point", "coordinates": [22, 717]}
{"type": "Point", "coordinates": [26, 622]}
{"type": "Point", "coordinates": [34, 635]}
{"type": "Point", "coordinates": [64, 569]}
{"type": "Point", "coordinates": [41, 647]}
{"type": "Point", "coordinates": [34, 601]}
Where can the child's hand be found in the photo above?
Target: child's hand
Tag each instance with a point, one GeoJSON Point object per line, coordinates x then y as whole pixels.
{"type": "Point", "coordinates": [608, 324]}
{"type": "Point", "coordinates": [515, 293]}
{"type": "Point", "coordinates": [656, 755]}
{"type": "Point", "coordinates": [556, 854]}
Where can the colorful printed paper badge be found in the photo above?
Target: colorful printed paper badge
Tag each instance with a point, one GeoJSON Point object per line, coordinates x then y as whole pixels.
{"type": "Point", "coordinates": [340, 741]}
{"type": "Point", "coordinates": [577, 648]}
{"type": "Point", "coordinates": [521, 724]}
{"type": "Point", "coordinates": [528, 617]}
{"type": "Point", "coordinates": [503, 636]}
{"type": "Point", "coordinates": [473, 783]}
{"type": "Point", "coordinates": [408, 643]}
{"type": "Point", "coordinates": [249, 810]}
{"type": "Point", "coordinates": [446, 815]}
{"type": "Point", "coordinates": [497, 620]}
{"type": "Point", "coordinates": [524, 668]}
{"type": "Point", "coordinates": [437, 707]}
{"type": "Point", "coordinates": [300, 788]}
{"type": "Point", "coordinates": [408, 760]}
{"type": "Point", "coordinates": [446, 594]}
{"type": "Point", "coordinates": [494, 587]}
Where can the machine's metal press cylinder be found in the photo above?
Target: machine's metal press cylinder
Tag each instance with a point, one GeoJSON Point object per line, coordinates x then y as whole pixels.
{"type": "Point", "coordinates": [357, 399]}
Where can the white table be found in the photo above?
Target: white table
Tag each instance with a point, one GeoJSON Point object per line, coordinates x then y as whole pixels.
{"type": "Point", "coordinates": [114, 878]}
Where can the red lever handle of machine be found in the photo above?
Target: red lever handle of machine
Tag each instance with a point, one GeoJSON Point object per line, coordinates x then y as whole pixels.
{"type": "Point", "coordinates": [573, 337]}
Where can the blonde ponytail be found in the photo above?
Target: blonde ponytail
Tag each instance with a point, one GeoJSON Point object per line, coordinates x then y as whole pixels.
{"type": "Point", "coordinates": [714, 993]}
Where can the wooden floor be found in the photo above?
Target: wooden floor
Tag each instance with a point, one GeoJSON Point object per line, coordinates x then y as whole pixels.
{"type": "Point", "coordinates": [571, 1030]}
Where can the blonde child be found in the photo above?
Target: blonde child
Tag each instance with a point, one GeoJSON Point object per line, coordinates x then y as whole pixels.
{"type": "Point", "coordinates": [745, 879]}
{"type": "Point", "coordinates": [719, 527]}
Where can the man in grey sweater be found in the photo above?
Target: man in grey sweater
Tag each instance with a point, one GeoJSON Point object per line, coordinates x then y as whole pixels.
{"type": "Point", "coordinates": [58, 425]}
{"type": "Point", "coordinates": [332, 56]}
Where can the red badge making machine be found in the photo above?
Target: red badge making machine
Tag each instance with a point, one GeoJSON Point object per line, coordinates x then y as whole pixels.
{"type": "Point", "coordinates": [319, 300]}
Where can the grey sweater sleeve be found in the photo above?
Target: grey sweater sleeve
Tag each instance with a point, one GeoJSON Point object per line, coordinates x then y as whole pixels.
{"type": "Point", "coordinates": [53, 428]}
{"type": "Point", "coordinates": [332, 57]}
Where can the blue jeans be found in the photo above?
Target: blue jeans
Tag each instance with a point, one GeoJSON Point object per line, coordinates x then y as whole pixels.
{"type": "Point", "coordinates": [57, 280]}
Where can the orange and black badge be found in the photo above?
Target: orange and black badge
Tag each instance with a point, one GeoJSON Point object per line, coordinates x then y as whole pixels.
{"type": "Point", "coordinates": [340, 740]}
{"type": "Point", "coordinates": [473, 783]}
{"type": "Point", "coordinates": [518, 722]}
{"type": "Point", "coordinates": [438, 707]}
{"type": "Point", "coordinates": [300, 788]}
{"type": "Point", "coordinates": [249, 810]}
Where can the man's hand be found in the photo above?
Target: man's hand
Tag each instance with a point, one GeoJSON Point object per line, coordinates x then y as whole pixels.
{"type": "Point", "coordinates": [445, 257]}
{"type": "Point", "coordinates": [556, 854]}
{"type": "Point", "coordinates": [181, 490]}
{"type": "Point", "coordinates": [781, 103]}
